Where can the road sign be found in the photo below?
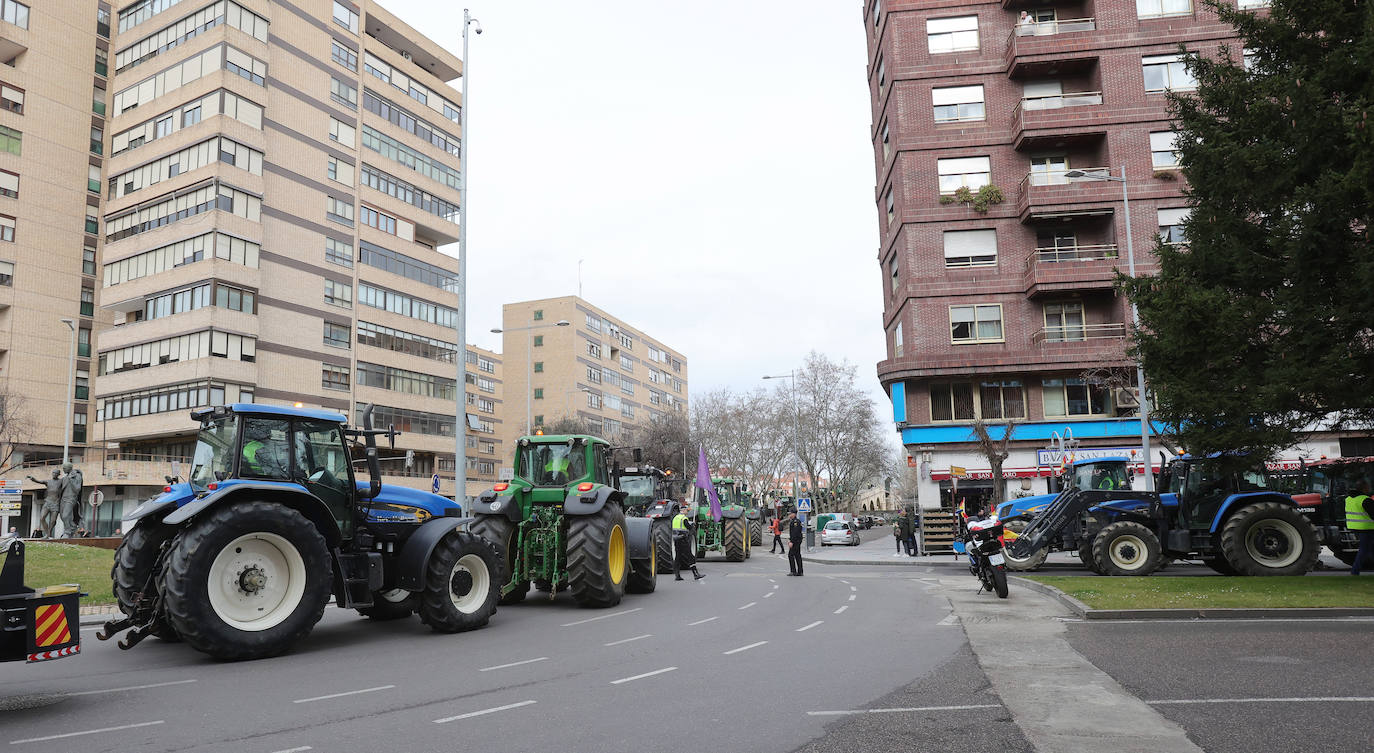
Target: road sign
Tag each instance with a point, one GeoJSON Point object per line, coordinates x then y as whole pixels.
{"type": "Point", "coordinates": [804, 504]}
{"type": "Point", "coordinates": [9, 506]}
{"type": "Point", "coordinates": [97, 497]}
{"type": "Point", "coordinates": [958, 471]}
{"type": "Point", "coordinates": [11, 489]}
{"type": "Point", "coordinates": [434, 484]}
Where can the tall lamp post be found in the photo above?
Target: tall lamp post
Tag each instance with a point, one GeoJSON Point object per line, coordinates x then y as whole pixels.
{"type": "Point", "coordinates": [529, 356]}
{"type": "Point", "coordinates": [460, 430]}
{"type": "Point", "coordinates": [71, 374]}
{"type": "Point", "coordinates": [1135, 313]}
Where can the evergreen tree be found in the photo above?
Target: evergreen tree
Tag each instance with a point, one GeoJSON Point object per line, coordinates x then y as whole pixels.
{"type": "Point", "coordinates": [1263, 322]}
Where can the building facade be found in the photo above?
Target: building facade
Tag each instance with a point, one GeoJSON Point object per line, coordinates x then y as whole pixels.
{"type": "Point", "coordinates": [596, 368]}
{"type": "Point", "coordinates": [999, 311]}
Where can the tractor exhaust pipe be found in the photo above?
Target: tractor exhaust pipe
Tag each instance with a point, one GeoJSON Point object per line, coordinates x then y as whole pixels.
{"type": "Point", "coordinates": [374, 466]}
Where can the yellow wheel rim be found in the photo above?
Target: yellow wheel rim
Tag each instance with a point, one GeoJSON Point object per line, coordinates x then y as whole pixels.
{"type": "Point", "coordinates": [615, 554]}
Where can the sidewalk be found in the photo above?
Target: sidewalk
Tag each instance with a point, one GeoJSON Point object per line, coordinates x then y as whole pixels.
{"type": "Point", "coordinates": [878, 551]}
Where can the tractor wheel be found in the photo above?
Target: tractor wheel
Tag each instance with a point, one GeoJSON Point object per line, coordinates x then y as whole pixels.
{"type": "Point", "coordinates": [755, 533]}
{"type": "Point", "coordinates": [247, 581]}
{"type": "Point", "coordinates": [1085, 555]}
{"type": "Point", "coordinates": [643, 574]}
{"type": "Point", "coordinates": [1023, 564]}
{"type": "Point", "coordinates": [132, 571]}
{"type": "Point", "coordinates": [501, 533]}
{"type": "Point", "coordinates": [1126, 548]}
{"type": "Point", "coordinates": [701, 552]}
{"type": "Point", "coordinates": [663, 544]}
{"type": "Point", "coordinates": [1269, 538]}
{"type": "Point", "coordinates": [736, 539]}
{"type": "Point", "coordinates": [1220, 564]}
{"type": "Point", "coordinates": [462, 583]}
{"type": "Point", "coordinates": [598, 565]}
{"type": "Point", "coordinates": [396, 604]}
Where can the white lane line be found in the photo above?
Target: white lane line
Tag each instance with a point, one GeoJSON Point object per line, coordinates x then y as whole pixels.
{"type": "Point", "coordinates": [641, 677]}
{"type": "Point", "coordinates": [744, 648]}
{"type": "Point", "coordinates": [910, 710]}
{"type": "Point", "coordinates": [841, 609]}
{"type": "Point", "coordinates": [86, 732]}
{"type": "Point", "coordinates": [853, 588]}
{"type": "Point", "coordinates": [513, 664]}
{"type": "Point", "coordinates": [953, 619]}
{"type": "Point", "coordinates": [471, 714]}
{"type": "Point", "coordinates": [601, 617]}
{"type": "Point", "coordinates": [129, 687]}
{"type": "Point", "coordinates": [699, 622]}
{"type": "Point", "coordinates": [808, 627]}
{"type": "Point", "coordinates": [1335, 699]}
{"type": "Point", "coordinates": [842, 580]}
{"type": "Point", "coordinates": [627, 640]}
{"type": "Point", "coordinates": [750, 604]}
{"type": "Point", "coordinates": [340, 695]}
{"type": "Point", "coordinates": [770, 593]}
{"type": "Point", "coordinates": [853, 597]}
{"type": "Point", "coordinates": [775, 587]}
{"type": "Point", "coordinates": [772, 580]}
{"type": "Point", "coordinates": [294, 750]}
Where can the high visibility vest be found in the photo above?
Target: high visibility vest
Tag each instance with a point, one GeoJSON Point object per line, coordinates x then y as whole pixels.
{"type": "Point", "coordinates": [250, 452]}
{"type": "Point", "coordinates": [1356, 519]}
{"type": "Point", "coordinates": [680, 522]}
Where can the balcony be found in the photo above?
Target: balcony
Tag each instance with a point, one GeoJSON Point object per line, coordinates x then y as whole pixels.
{"type": "Point", "coordinates": [1107, 341]}
{"type": "Point", "coordinates": [1071, 269]}
{"type": "Point", "coordinates": [1050, 194]}
{"type": "Point", "coordinates": [1066, 120]}
{"type": "Point", "coordinates": [1049, 48]}
{"type": "Point", "coordinates": [116, 468]}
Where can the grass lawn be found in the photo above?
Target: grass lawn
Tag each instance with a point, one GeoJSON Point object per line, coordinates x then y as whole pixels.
{"type": "Point", "coordinates": [1213, 592]}
{"type": "Point", "coordinates": [52, 564]}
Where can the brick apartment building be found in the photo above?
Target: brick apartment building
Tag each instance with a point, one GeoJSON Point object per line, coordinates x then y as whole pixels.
{"type": "Point", "coordinates": [1011, 313]}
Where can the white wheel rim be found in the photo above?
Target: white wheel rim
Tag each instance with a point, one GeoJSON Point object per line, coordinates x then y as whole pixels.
{"type": "Point", "coordinates": [1127, 552]}
{"type": "Point", "coordinates": [256, 581]}
{"type": "Point", "coordinates": [1265, 531]}
{"type": "Point", "coordinates": [395, 595]}
{"type": "Point", "coordinates": [476, 569]}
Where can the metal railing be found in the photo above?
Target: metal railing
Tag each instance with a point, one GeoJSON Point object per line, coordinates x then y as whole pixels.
{"type": "Point", "coordinates": [1051, 28]}
{"type": "Point", "coordinates": [1058, 177]}
{"type": "Point", "coordinates": [1091, 252]}
{"type": "Point", "coordinates": [1079, 333]}
{"type": "Point", "coordinates": [1057, 101]}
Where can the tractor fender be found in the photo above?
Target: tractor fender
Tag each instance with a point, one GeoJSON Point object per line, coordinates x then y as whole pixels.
{"type": "Point", "coordinates": [294, 496]}
{"type": "Point", "coordinates": [1237, 501]}
{"type": "Point", "coordinates": [590, 502]}
{"type": "Point", "coordinates": [639, 537]}
{"type": "Point", "coordinates": [727, 513]}
{"type": "Point", "coordinates": [491, 503]}
{"type": "Point", "coordinates": [419, 547]}
{"type": "Point", "coordinates": [146, 508]}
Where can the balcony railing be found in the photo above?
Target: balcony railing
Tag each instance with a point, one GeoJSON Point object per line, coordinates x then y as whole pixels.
{"type": "Point", "coordinates": [1079, 333]}
{"type": "Point", "coordinates": [1051, 28]}
{"type": "Point", "coordinates": [1058, 177]}
{"type": "Point", "coordinates": [1093, 252]}
{"type": "Point", "coordinates": [1057, 101]}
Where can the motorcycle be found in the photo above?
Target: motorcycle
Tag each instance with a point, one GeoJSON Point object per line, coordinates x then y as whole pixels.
{"type": "Point", "coordinates": [985, 554]}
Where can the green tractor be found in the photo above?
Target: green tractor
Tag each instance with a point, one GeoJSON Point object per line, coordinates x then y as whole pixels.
{"type": "Point", "coordinates": [731, 533]}
{"type": "Point", "coordinates": [560, 524]}
{"type": "Point", "coordinates": [650, 493]}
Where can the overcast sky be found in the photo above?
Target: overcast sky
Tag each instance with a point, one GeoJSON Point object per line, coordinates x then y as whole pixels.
{"type": "Point", "coordinates": [709, 161]}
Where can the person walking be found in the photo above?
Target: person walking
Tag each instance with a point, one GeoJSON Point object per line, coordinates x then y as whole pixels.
{"type": "Point", "coordinates": [794, 535]}
{"type": "Point", "coordinates": [776, 527]}
{"type": "Point", "coordinates": [1359, 518]}
{"type": "Point", "coordinates": [909, 531]}
{"type": "Point", "coordinates": [682, 545]}
{"type": "Point", "coordinates": [897, 536]}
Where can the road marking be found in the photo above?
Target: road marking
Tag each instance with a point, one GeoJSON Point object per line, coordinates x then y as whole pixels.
{"type": "Point", "coordinates": [627, 640]}
{"type": "Point", "coordinates": [842, 580]}
{"type": "Point", "coordinates": [910, 710]}
{"type": "Point", "coordinates": [841, 609]}
{"type": "Point", "coordinates": [750, 604]}
{"type": "Point", "coordinates": [641, 677]}
{"type": "Point", "coordinates": [130, 687]}
{"type": "Point", "coordinates": [601, 617]}
{"type": "Point", "coordinates": [1335, 699]}
{"type": "Point", "coordinates": [513, 664]}
{"type": "Point", "coordinates": [340, 695]}
{"type": "Point", "coordinates": [744, 648]}
{"type": "Point", "coordinates": [85, 732]}
{"type": "Point", "coordinates": [853, 588]}
{"type": "Point", "coordinates": [770, 593]}
{"type": "Point", "coordinates": [808, 627]}
{"type": "Point", "coordinates": [698, 622]}
{"type": "Point", "coordinates": [853, 597]}
{"type": "Point", "coordinates": [775, 587]}
{"type": "Point", "coordinates": [295, 750]}
{"type": "Point", "coordinates": [471, 714]}
{"type": "Point", "coordinates": [953, 619]}
{"type": "Point", "coordinates": [772, 580]}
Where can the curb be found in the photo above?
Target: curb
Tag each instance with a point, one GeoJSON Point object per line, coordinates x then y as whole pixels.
{"type": "Point", "coordinates": [1205, 613]}
{"type": "Point", "coordinates": [911, 562]}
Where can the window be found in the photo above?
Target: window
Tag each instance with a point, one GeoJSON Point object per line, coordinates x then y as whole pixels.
{"type": "Point", "coordinates": [189, 27]}
{"type": "Point", "coordinates": [538, 314]}
{"type": "Point", "coordinates": [386, 223]}
{"type": "Point", "coordinates": [343, 56]}
{"type": "Point", "coordinates": [898, 347]}
{"type": "Point", "coordinates": [337, 335]}
{"type": "Point", "coordinates": [976, 324]}
{"type": "Point", "coordinates": [190, 116]}
{"type": "Point", "coordinates": [83, 385]}
{"type": "Point", "coordinates": [538, 341]}
{"type": "Point", "coordinates": [189, 251]}
{"type": "Point", "coordinates": [102, 22]}
{"type": "Point", "coordinates": [892, 274]}
{"type": "Point", "coordinates": [9, 184]}
{"type": "Point", "coordinates": [234, 299]}
{"type": "Point", "coordinates": [83, 343]}
{"type": "Point", "coordinates": [340, 211]}
{"type": "Point", "coordinates": [404, 155]}
{"type": "Point", "coordinates": [88, 261]}
{"type": "Point", "coordinates": [1166, 72]}
{"type": "Point", "coordinates": [964, 172]}
{"type": "Point", "coordinates": [1002, 399]}
{"type": "Point", "coordinates": [1164, 150]}
{"type": "Point", "coordinates": [593, 350]}
{"type": "Point", "coordinates": [7, 228]}
{"type": "Point", "coordinates": [102, 62]}
{"type": "Point", "coordinates": [958, 103]}
{"type": "Point", "coordinates": [196, 345]}
{"type": "Point", "coordinates": [343, 133]}
{"type": "Point", "coordinates": [15, 13]}
{"type": "Point", "coordinates": [12, 99]}
{"type": "Point", "coordinates": [886, 139]}
{"type": "Point", "coordinates": [970, 248]}
{"type": "Point", "coordinates": [890, 202]}
{"type": "Point", "coordinates": [1171, 225]}
{"type": "Point", "coordinates": [338, 252]}
{"type": "Point", "coordinates": [92, 222]}
{"type": "Point", "coordinates": [400, 189]}
{"type": "Point", "coordinates": [594, 401]}
{"type": "Point", "coordinates": [413, 421]}
{"type": "Point", "coordinates": [1074, 397]}
{"type": "Point", "coordinates": [345, 17]}
{"type": "Point", "coordinates": [406, 266]}
{"type": "Point", "coordinates": [626, 363]}
{"type": "Point", "coordinates": [402, 117]}
{"type": "Point", "coordinates": [7, 273]}
{"type": "Point", "coordinates": [1049, 170]}
{"type": "Point", "coordinates": [538, 367]}
{"type": "Point", "coordinates": [221, 102]}
{"type": "Point", "coordinates": [343, 93]}
{"type": "Point", "coordinates": [882, 73]}
{"type": "Point", "coordinates": [340, 172]}
{"type": "Point", "coordinates": [1157, 8]}
{"type": "Point", "coordinates": [594, 374]}
{"type": "Point", "coordinates": [951, 402]}
{"type": "Point", "coordinates": [334, 377]}
{"type": "Point", "coordinates": [184, 160]}
{"type": "Point", "coordinates": [338, 293]}
{"type": "Point", "coordinates": [79, 425]}
{"type": "Point", "coordinates": [398, 303]}
{"type": "Point", "coordinates": [877, 13]}
{"type": "Point", "coordinates": [594, 324]}
{"type": "Point", "coordinates": [539, 393]}
{"type": "Point", "coordinates": [406, 342]}
{"type": "Point", "coordinates": [1251, 4]}
{"type": "Point", "coordinates": [98, 100]}
{"type": "Point", "coordinates": [409, 382]}
{"type": "Point", "coordinates": [952, 34]}
{"type": "Point", "coordinates": [88, 302]}
{"type": "Point", "coordinates": [11, 140]}
{"type": "Point", "coordinates": [1064, 322]}
{"type": "Point", "coordinates": [97, 141]}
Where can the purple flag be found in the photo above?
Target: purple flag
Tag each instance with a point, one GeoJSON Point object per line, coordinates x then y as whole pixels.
{"type": "Point", "coordinates": [704, 483]}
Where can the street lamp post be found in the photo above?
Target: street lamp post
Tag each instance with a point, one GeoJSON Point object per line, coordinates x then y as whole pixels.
{"type": "Point", "coordinates": [1135, 313]}
{"type": "Point", "coordinates": [71, 374]}
{"type": "Point", "coordinates": [529, 357]}
{"type": "Point", "coordinates": [460, 429]}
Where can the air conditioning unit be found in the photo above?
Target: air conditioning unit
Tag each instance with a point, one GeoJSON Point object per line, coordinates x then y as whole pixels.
{"type": "Point", "coordinates": [1126, 397]}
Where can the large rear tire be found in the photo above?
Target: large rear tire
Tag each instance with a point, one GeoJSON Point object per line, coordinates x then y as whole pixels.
{"type": "Point", "coordinates": [644, 573]}
{"type": "Point", "coordinates": [1270, 538]}
{"type": "Point", "coordinates": [500, 531]}
{"type": "Point", "coordinates": [735, 535]}
{"type": "Point", "coordinates": [1220, 565]}
{"type": "Point", "coordinates": [598, 565]}
{"type": "Point", "coordinates": [663, 543]}
{"type": "Point", "coordinates": [1126, 548]}
{"type": "Point", "coordinates": [756, 533]}
{"type": "Point", "coordinates": [1023, 564]}
{"type": "Point", "coordinates": [462, 583]}
{"type": "Point", "coordinates": [1085, 555]}
{"type": "Point", "coordinates": [247, 581]}
{"type": "Point", "coordinates": [133, 570]}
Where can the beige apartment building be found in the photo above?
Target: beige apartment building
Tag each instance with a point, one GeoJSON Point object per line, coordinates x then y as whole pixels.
{"type": "Point", "coordinates": [596, 367]}
{"type": "Point", "coordinates": [263, 212]}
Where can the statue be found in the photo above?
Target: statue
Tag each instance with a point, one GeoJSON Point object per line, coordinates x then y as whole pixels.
{"type": "Point", "coordinates": [47, 517]}
{"type": "Point", "coordinates": [71, 499]}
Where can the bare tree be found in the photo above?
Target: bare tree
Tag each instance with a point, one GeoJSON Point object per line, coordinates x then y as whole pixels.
{"type": "Point", "coordinates": [996, 450]}
{"type": "Point", "coordinates": [16, 426]}
{"type": "Point", "coordinates": [841, 438]}
{"type": "Point", "coordinates": [572, 425]}
{"type": "Point", "coordinates": [667, 441]}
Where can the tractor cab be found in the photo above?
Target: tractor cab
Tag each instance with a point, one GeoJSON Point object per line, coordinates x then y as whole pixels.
{"type": "Point", "coordinates": [1203, 488]}
{"type": "Point", "coordinates": [549, 466]}
{"type": "Point", "coordinates": [1327, 483]}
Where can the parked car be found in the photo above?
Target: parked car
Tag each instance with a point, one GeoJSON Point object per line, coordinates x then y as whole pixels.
{"type": "Point", "coordinates": [840, 532]}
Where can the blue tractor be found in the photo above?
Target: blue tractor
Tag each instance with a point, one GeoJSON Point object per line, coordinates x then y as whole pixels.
{"type": "Point", "coordinates": [240, 560]}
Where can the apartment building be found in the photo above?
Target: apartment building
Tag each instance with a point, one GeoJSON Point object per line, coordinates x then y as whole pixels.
{"type": "Point", "coordinates": [1010, 313]}
{"type": "Point", "coordinates": [567, 358]}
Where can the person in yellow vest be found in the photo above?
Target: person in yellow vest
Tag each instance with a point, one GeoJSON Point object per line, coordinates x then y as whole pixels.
{"type": "Point", "coordinates": [1359, 517]}
{"type": "Point", "coordinates": [682, 545]}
